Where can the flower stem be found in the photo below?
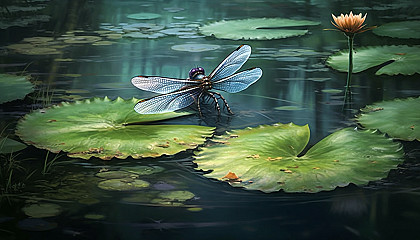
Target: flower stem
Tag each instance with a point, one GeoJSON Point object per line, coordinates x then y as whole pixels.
{"type": "Point", "coordinates": [350, 68]}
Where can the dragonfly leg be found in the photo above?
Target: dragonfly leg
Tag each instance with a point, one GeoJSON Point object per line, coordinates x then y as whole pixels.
{"type": "Point", "coordinates": [224, 101]}
{"type": "Point", "coordinates": [198, 104]}
{"type": "Point", "coordinates": [215, 100]}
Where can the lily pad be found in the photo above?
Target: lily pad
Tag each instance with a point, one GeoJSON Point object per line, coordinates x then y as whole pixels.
{"type": "Point", "coordinates": [126, 184]}
{"type": "Point", "coordinates": [36, 224]}
{"type": "Point", "coordinates": [105, 129]}
{"type": "Point", "coordinates": [143, 16]}
{"type": "Point", "coordinates": [41, 210]}
{"type": "Point", "coordinates": [346, 156]}
{"type": "Point", "coordinates": [8, 145]}
{"type": "Point", "coordinates": [398, 118]}
{"type": "Point", "coordinates": [256, 28]}
{"type": "Point", "coordinates": [173, 198]}
{"type": "Point", "coordinates": [14, 87]}
{"type": "Point", "coordinates": [404, 59]}
{"type": "Point", "coordinates": [195, 47]}
{"type": "Point", "coordinates": [116, 174]}
{"type": "Point", "coordinates": [143, 170]}
{"type": "Point", "coordinates": [405, 29]}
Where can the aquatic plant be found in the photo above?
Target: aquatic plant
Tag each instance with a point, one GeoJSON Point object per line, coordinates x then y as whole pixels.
{"type": "Point", "coordinates": [350, 25]}
{"type": "Point", "coordinates": [404, 29]}
{"type": "Point", "coordinates": [276, 162]}
{"type": "Point", "coordinates": [48, 164]}
{"type": "Point", "coordinates": [399, 118]}
{"type": "Point", "coordinates": [13, 87]}
{"type": "Point", "coordinates": [256, 28]}
{"type": "Point", "coordinates": [401, 59]}
{"type": "Point", "coordinates": [105, 129]}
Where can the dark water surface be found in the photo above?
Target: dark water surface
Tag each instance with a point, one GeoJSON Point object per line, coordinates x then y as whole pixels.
{"type": "Point", "coordinates": [296, 80]}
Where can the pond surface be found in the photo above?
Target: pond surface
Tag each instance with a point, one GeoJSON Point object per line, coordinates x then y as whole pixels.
{"type": "Point", "coordinates": [296, 86]}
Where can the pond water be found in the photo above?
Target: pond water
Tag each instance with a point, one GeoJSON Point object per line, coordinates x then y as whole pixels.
{"type": "Point", "coordinates": [296, 86]}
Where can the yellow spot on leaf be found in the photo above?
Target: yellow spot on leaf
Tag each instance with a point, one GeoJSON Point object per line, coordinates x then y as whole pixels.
{"type": "Point", "coordinates": [254, 156]}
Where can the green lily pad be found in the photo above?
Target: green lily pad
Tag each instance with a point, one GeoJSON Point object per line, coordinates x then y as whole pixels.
{"type": "Point", "coordinates": [8, 145]}
{"type": "Point", "coordinates": [14, 87]}
{"type": "Point", "coordinates": [143, 16]}
{"type": "Point", "coordinates": [173, 198]}
{"type": "Point", "coordinates": [346, 156]}
{"type": "Point", "coordinates": [105, 129]}
{"type": "Point", "coordinates": [256, 28]}
{"type": "Point", "coordinates": [398, 118]}
{"type": "Point", "coordinates": [41, 210]}
{"type": "Point", "coordinates": [195, 47]}
{"type": "Point", "coordinates": [405, 29]}
{"type": "Point", "coordinates": [404, 59]}
{"type": "Point", "coordinates": [116, 174]}
{"type": "Point", "coordinates": [143, 170]}
{"type": "Point", "coordinates": [126, 184]}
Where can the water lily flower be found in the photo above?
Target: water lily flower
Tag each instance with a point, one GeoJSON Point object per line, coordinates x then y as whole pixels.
{"type": "Point", "coordinates": [350, 24]}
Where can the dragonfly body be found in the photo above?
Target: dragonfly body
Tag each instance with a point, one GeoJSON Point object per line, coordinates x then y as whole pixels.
{"type": "Point", "coordinates": [180, 93]}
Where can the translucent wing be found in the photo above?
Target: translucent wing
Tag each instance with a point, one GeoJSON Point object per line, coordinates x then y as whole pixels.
{"type": "Point", "coordinates": [161, 84]}
{"type": "Point", "coordinates": [232, 63]}
{"type": "Point", "coordinates": [239, 81]}
{"type": "Point", "coordinates": [168, 102]}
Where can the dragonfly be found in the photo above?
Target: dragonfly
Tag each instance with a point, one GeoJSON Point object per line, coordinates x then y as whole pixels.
{"type": "Point", "coordinates": [176, 93]}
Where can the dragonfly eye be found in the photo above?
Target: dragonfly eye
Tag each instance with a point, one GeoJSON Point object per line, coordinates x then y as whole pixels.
{"type": "Point", "coordinates": [195, 72]}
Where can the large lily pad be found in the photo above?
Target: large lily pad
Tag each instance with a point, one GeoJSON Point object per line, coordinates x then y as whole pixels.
{"type": "Point", "coordinates": [106, 129]}
{"type": "Point", "coordinates": [41, 210]}
{"type": "Point", "coordinates": [14, 87]}
{"type": "Point", "coordinates": [398, 118]}
{"type": "Point", "coordinates": [267, 158]}
{"type": "Point", "coordinates": [256, 28]}
{"type": "Point", "coordinates": [405, 29]}
{"type": "Point", "coordinates": [404, 59]}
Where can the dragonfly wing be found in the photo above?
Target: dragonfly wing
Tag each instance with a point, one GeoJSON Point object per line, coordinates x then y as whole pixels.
{"type": "Point", "coordinates": [168, 102]}
{"type": "Point", "coordinates": [232, 63]}
{"type": "Point", "coordinates": [161, 84]}
{"type": "Point", "coordinates": [239, 81]}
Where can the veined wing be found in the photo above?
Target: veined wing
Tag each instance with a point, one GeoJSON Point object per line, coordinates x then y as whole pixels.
{"type": "Point", "coordinates": [168, 102]}
{"type": "Point", "coordinates": [161, 84]}
{"type": "Point", "coordinates": [239, 81]}
{"type": "Point", "coordinates": [232, 63]}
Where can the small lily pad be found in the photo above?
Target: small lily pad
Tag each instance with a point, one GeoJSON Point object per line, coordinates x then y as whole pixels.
{"type": "Point", "coordinates": [398, 118]}
{"type": "Point", "coordinates": [8, 145]}
{"type": "Point", "coordinates": [14, 87]}
{"type": "Point", "coordinates": [41, 210]}
{"type": "Point", "coordinates": [289, 108]}
{"type": "Point", "coordinates": [173, 198]}
{"type": "Point", "coordinates": [143, 170]}
{"type": "Point", "coordinates": [116, 174]}
{"type": "Point", "coordinates": [126, 184]}
{"type": "Point", "coordinates": [346, 156]}
{"type": "Point", "coordinates": [143, 16]}
{"type": "Point", "coordinates": [403, 59]}
{"type": "Point", "coordinates": [404, 29]}
{"type": "Point", "coordinates": [94, 216]}
{"type": "Point", "coordinates": [105, 129]}
{"type": "Point", "coordinates": [163, 186]}
{"type": "Point", "coordinates": [195, 47]}
{"type": "Point", "coordinates": [256, 28]}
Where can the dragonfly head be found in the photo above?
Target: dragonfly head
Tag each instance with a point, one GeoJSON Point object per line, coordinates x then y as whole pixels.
{"type": "Point", "coordinates": [196, 73]}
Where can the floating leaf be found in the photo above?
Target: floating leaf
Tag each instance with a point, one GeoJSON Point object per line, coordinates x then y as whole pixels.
{"type": "Point", "coordinates": [346, 156]}
{"type": "Point", "coordinates": [106, 129]}
{"type": "Point", "coordinates": [41, 210]}
{"type": "Point", "coordinates": [404, 59]}
{"type": "Point", "coordinates": [36, 224]}
{"type": "Point", "coordinates": [116, 174]}
{"type": "Point", "coordinates": [195, 47]}
{"type": "Point", "coordinates": [256, 28]}
{"type": "Point", "coordinates": [14, 87]}
{"type": "Point", "coordinates": [398, 118]}
{"type": "Point", "coordinates": [143, 170]}
{"type": "Point", "coordinates": [8, 145]}
{"type": "Point", "coordinates": [143, 16]}
{"type": "Point", "coordinates": [405, 29]}
{"type": "Point", "coordinates": [125, 184]}
{"type": "Point", "coordinates": [173, 198]}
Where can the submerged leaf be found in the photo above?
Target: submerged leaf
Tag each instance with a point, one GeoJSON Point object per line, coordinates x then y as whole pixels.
{"type": "Point", "coordinates": [404, 59]}
{"type": "Point", "coordinates": [346, 156]}
{"type": "Point", "coordinates": [14, 87]}
{"type": "Point", "coordinates": [398, 118]}
{"type": "Point", "coordinates": [8, 145]}
{"type": "Point", "coordinates": [106, 129]}
{"type": "Point", "coordinates": [256, 28]}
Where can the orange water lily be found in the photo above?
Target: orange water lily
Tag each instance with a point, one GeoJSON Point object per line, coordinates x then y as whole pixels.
{"type": "Point", "coordinates": [350, 24]}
